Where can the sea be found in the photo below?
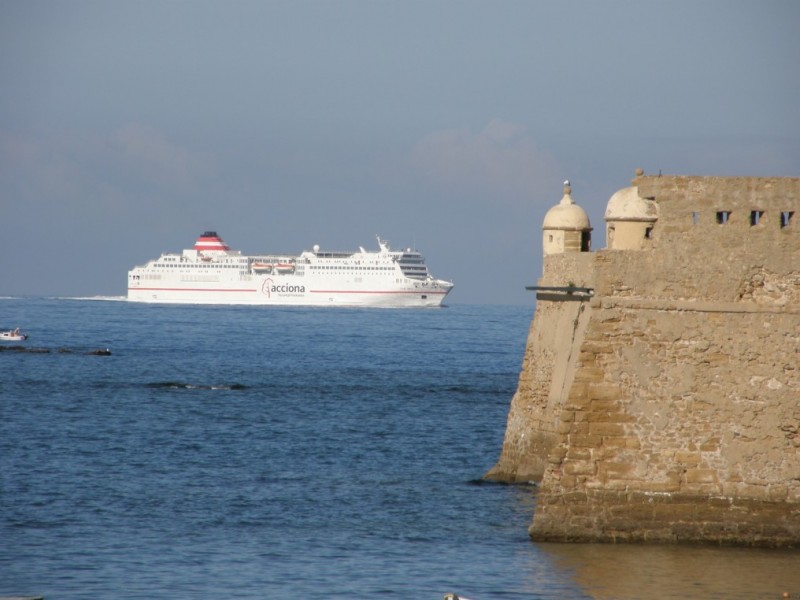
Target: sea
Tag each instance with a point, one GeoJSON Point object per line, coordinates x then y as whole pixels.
{"type": "Point", "coordinates": [301, 453]}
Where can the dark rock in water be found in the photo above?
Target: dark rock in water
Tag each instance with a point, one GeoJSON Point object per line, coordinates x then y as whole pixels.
{"type": "Point", "coordinates": [176, 385]}
{"type": "Point", "coordinates": [25, 349]}
{"type": "Point", "coordinates": [166, 384]}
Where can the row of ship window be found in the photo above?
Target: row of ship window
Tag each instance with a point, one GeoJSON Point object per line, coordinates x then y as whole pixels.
{"type": "Point", "coordinates": [205, 266]}
{"type": "Point", "coordinates": [353, 268]}
{"type": "Point", "coordinates": [218, 266]}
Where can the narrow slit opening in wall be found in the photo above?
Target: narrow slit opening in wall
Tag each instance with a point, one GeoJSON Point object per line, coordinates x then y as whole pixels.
{"type": "Point", "coordinates": [648, 233]}
{"type": "Point", "coordinates": [786, 218]}
{"type": "Point", "coordinates": [723, 216]}
{"type": "Point", "coordinates": [755, 217]}
{"type": "Point", "coordinates": [695, 218]}
{"type": "Point", "coordinates": [586, 241]}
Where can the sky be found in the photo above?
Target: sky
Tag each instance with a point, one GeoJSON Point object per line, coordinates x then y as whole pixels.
{"type": "Point", "coordinates": [129, 128]}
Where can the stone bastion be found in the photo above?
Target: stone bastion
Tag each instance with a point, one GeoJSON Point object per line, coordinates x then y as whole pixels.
{"type": "Point", "coordinates": [659, 396]}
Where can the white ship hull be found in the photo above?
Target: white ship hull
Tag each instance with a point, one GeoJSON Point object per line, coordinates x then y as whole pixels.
{"type": "Point", "coordinates": [286, 291]}
{"type": "Point", "coordinates": [213, 274]}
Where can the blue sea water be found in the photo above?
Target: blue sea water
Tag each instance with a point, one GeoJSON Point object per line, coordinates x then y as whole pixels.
{"type": "Point", "coordinates": [249, 452]}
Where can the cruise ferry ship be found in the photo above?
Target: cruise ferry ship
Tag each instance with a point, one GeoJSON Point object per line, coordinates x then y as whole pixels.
{"type": "Point", "coordinates": [212, 273]}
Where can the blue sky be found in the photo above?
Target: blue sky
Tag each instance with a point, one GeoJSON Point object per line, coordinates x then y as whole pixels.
{"type": "Point", "coordinates": [128, 128]}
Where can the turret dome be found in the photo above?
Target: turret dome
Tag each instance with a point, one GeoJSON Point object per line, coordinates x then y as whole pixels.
{"type": "Point", "coordinates": [566, 214]}
{"type": "Point", "coordinates": [630, 220]}
{"type": "Point", "coordinates": [566, 226]}
{"type": "Point", "coordinates": [627, 205]}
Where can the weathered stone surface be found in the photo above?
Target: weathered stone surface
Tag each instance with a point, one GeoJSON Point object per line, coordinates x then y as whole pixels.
{"type": "Point", "coordinates": [670, 398]}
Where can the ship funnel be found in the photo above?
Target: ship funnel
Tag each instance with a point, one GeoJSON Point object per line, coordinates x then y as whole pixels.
{"type": "Point", "coordinates": [209, 242]}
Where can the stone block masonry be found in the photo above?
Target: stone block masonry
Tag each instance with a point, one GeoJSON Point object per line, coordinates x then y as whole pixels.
{"type": "Point", "coordinates": [665, 407]}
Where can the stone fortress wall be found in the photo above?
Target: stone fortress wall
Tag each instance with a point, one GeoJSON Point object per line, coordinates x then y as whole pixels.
{"type": "Point", "coordinates": [659, 397]}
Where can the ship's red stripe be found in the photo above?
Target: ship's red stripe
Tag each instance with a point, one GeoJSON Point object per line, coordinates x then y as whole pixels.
{"type": "Point", "coordinates": [149, 289]}
{"type": "Point", "coordinates": [372, 292]}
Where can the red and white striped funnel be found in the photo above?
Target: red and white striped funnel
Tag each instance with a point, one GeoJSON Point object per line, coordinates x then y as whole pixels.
{"type": "Point", "coordinates": [210, 241]}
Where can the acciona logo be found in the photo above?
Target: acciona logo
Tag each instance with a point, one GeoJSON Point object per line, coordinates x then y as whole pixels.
{"type": "Point", "coordinates": [269, 287]}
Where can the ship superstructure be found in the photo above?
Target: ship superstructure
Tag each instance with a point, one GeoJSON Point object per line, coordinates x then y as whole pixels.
{"type": "Point", "coordinates": [212, 273]}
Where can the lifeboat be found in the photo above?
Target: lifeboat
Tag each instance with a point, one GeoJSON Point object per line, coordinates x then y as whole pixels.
{"type": "Point", "coordinates": [284, 268]}
{"type": "Point", "coordinates": [261, 267]}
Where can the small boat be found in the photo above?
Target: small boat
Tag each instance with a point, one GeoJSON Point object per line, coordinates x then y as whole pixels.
{"type": "Point", "coordinates": [14, 335]}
